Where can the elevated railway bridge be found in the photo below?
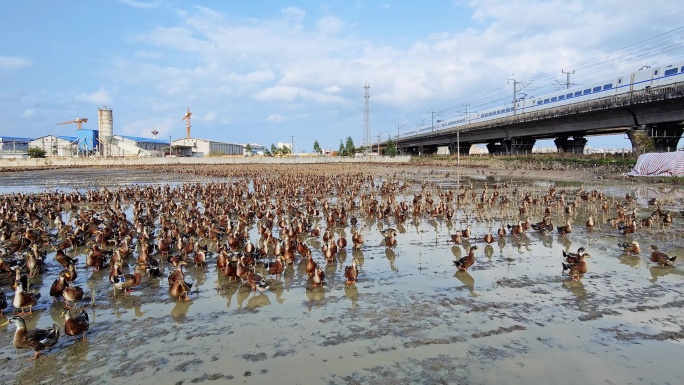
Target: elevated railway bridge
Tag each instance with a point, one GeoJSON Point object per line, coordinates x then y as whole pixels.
{"type": "Point", "coordinates": [657, 113]}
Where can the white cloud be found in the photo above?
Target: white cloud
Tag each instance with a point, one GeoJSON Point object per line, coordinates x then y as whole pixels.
{"type": "Point", "coordinates": [13, 62]}
{"type": "Point", "coordinates": [330, 25]}
{"type": "Point", "coordinates": [293, 14]}
{"type": "Point", "coordinates": [294, 63]}
{"type": "Point", "coordinates": [100, 97]}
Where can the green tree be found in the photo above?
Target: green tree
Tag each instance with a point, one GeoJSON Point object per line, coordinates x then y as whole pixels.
{"type": "Point", "coordinates": [317, 148]}
{"type": "Point", "coordinates": [284, 150]}
{"type": "Point", "coordinates": [266, 152]}
{"type": "Point", "coordinates": [274, 149]}
{"type": "Point", "coordinates": [36, 152]}
{"type": "Point", "coordinates": [248, 149]}
{"type": "Point", "coordinates": [342, 151]}
{"type": "Point", "coordinates": [391, 149]}
{"type": "Point", "coordinates": [350, 149]}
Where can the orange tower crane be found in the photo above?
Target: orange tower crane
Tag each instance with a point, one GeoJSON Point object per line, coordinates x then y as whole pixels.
{"type": "Point", "coordinates": [187, 126]}
{"type": "Point", "coordinates": [78, 121]}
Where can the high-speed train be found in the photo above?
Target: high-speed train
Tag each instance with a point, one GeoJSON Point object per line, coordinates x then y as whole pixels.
{"type": "Point", "coordinates": [639, 80]}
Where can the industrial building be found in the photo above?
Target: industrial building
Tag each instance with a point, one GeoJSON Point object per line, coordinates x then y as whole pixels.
{"type": "Point", "coordinates": [193, 147]}
{"type": "Point", "coordinates": [102, 142]}
{"type": "Point", "coordinates": [66, 146]}
{"type": "Point", "coordinates": [124, 145]}
{"type": "Point", "coordinates": [11, 146]}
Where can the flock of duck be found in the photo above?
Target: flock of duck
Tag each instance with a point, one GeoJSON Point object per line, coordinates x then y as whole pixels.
{"type": "Point", "coordinates": [252, 226]}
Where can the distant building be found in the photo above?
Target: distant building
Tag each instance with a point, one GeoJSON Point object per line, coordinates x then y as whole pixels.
{"type": "Point", "coordinates": [193, 147]}
{"type": "Point", "coordinates": [285, 145]}
{"type": "Point", "coordinates": [66, 146]}
{"type": "Point", "coordinates": [11, 146]}
{"type": "Point", "coordinates": [257, 149]}
{"type": "Point", "coordinates": [125, 145]}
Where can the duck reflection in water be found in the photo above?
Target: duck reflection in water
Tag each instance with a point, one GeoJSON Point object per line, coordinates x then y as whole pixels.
{"type": "Point", "coordinates": [467, 280]}
{"type": "Point", "coordinates": [488, 251]}
{"type": "Point", "coordinates": [547, 240]}
{"type": "Point", "coordinates": [564, 241]}
{"type": "Point", "coordinates": [358, 254]}
{"type": "Point", "coordinates": [659, 272]}
{"type": "Point", "coordinates": [576, 287]}
{"type": "Point", "coordinates": [179, 311]}
{"type": "Point", "coordinates": [227, 289]}
{"type": "Point", "coordinates": [243, 293]}
{"type": "Point", "coordinates": [352, 292]}
{"type": "Point", "coordinates": [391, 257]}
{"type": "Point", "coordinates": [630, 260]}
{"type": "Point", "coordinates": [128, 303]}
{"type": "Point", "coordinates": [258, 300]}
{"type": "Point", "coordinates": [456, 251]}
{"type": "Point", "coordinates": [278, 289]}
{"type": "Point", "coordinates": [501, 243]}
{"type": "Point", "coordinates": [316, 296]}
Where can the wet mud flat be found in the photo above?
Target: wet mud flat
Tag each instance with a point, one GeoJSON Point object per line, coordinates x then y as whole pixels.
{"type": "Point", "coordinates": [410, 318]}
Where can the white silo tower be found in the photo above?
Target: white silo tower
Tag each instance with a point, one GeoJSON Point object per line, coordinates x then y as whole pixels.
{"type": "Point", "coordinates": [105, 122]}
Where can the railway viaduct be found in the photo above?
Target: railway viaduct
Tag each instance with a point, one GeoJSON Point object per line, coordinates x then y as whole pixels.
{"type": "Point", "coordinates": [657, 113]}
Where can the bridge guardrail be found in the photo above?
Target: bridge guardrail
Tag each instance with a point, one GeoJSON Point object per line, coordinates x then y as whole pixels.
{"type": "Point", "coordinates": [649, 95]}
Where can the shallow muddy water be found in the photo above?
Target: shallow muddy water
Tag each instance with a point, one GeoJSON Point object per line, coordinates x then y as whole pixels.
{"type": "Point", "coordinates": [512, 318]}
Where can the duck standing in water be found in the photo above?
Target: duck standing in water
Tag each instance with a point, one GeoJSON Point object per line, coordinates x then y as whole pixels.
{"type": "Point", "coordinates": [575, 270]}
{"type": "Point", "coordinates": [661, 258]}
{"type": "Point", "coordinates": [73, 326]}
{"type": "Point", "coordinates": [630, 248]}
{"type": "Point", "coordinates": [36, 339]}
{"type": "Point", "coordinates": [465, 262]}
{"type": "Point", "coordinates": [24, 299]}
{"type": "Point", "coordinates": [351, 272]}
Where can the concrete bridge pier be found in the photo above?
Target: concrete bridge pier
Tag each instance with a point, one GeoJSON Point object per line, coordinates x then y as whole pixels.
{"type": "Point", "coordinates": [511, 146]}
{"type": "Point", "coordinates": [572, 146]}
{"type": "Point", "coordinates": [500, 147]}
{"type": "Point", "coordinates": [428, 150]}
{"type": "Point", "coordinates": [463, 148]}
{"type": "Point", "coordinates": [521, 145]}
{"type": "Point", "coordinates": [665, 136]}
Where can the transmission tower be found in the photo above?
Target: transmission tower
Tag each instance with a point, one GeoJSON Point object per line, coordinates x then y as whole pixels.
{"type": "Point", "coordinates": [366, 119]}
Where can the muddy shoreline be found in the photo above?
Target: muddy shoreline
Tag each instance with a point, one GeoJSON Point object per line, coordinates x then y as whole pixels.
{"type": "Point", "coordinates": [410, 318]}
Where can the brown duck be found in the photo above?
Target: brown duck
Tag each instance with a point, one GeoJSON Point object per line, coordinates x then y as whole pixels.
{"type": "Point", "coordinates": [661, 258]}
{"type": "Point", "coordinates": [127, 282]}
{"type": "Point", "coordinates": [575, 270]}
{"type": "Point", "coordinates": [465, 262]}
{"type": "Point", "coordinates": [351, 272]}
{"type": "Point", "coordinates": [36, 339]}
{"type": "Point", "coordinates": [74, 326]}
{"type": "Point", "coordinates": [24, 299]}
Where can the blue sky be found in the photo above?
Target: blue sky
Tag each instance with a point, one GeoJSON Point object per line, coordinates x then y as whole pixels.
{"type": "Point", "coordinates": [268, 71]}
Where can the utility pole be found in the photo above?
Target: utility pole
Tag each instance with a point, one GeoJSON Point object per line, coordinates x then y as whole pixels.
{"type": "Point", "coordinates": [458, 138]}
{"type": "Point", "coordinates": [567, 83]}
{"type": "Point", "coordinates": [398, 136]}
{"type": "Point", "coordinates": [379, 133]}
{"type": "Point", "coordinates": [292, 145]}
{"type": "Point", "coordinates": [515, 93]}
{"type": "Point", "coordinates": [432, 113]}
{"type": "Point", "coordinates": [366, 119]}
